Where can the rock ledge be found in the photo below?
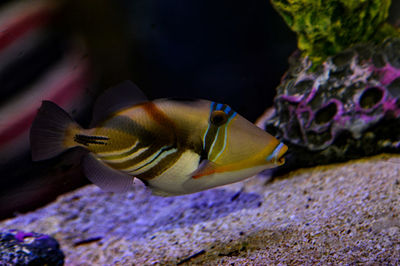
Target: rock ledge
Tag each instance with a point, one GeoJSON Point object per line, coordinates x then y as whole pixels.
{"type": "Point", "coordinates": [342, 213]}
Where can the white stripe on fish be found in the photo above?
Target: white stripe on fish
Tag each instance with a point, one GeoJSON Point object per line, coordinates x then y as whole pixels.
{"type": "Point", "coordinates": [153, 162]}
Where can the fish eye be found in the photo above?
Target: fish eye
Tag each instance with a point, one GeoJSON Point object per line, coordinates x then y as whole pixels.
{"type": "Point", "coordinates": [218, 117]}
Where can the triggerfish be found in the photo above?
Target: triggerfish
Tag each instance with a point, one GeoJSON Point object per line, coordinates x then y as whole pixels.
{"type": "Point", "coordinates": [175, 146]}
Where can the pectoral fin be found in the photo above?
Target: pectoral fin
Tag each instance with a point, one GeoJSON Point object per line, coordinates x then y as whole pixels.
{"type": "Point", "coordinates": [104, 176]}
{"type": "Point", "coordinates": [206, 167]}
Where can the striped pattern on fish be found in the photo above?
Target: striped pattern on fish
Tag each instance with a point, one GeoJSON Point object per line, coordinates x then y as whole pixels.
{"type": "Point", "coordinates": [175, 147]}
{"type": "Point", "coordinates": [214, 139]}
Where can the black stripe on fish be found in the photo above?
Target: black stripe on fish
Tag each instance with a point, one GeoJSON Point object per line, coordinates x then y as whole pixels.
{"type": "Point", "coordinates": [121, 155]}
{"type": "Point", "coordinates": [136, 160]}
{"type": "Point", "coordinates": [208, 140]}
{"type": "Point", "coordinates": [213, 130]}
{"type": "Point", "coordinates": [165, 149]}
{"type": "Point", "coordinates": [162, 166]}
{"type": "Point", "coordinates": [86, 140]}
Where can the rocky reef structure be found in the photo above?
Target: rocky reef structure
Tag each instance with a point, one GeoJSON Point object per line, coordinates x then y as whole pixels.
{"type": "Point", "coordinates": [23, 248]}
{"type": "Point", "coordinates": [339, 100]}
{"type": "Point", "coordinates": [347, 108]}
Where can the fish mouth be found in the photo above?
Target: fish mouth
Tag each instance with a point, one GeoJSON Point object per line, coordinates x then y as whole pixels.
{"type": "Point", "coordinates": [277, 155]}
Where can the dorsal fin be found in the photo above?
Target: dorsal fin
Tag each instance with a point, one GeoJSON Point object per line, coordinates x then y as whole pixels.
{"type": "Point", "coordinates": [123, 95]}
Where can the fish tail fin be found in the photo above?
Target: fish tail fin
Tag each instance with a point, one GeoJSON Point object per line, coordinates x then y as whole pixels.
{"type": "Point", "coordinates": [50, 132]}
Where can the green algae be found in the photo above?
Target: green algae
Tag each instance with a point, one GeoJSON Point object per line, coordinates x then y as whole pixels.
{"type": "Point", "coordinates": [326, 27]}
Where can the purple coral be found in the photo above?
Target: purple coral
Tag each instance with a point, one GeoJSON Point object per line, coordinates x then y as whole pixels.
{"type": "Point", "coordinates": [346, 108]}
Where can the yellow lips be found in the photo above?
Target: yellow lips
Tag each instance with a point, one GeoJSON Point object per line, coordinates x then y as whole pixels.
{"type": "Point", "coordinates": [281, 159]}
{"type": "Point", "coordinates": [276, 156]}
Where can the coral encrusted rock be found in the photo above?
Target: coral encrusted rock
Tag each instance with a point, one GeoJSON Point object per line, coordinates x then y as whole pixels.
{"type": "Point", "coordinates": [346, 108]}
{"type": "Point", "coordinates": [339, 100]}
{"type": "Point", "coordinates": [23, 248]}
{"type": "Point", "coordinates": [327, 27]}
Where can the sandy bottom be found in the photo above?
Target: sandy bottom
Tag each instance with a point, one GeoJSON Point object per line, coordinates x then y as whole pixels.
{"type": "Point", "coordinates": [342, 213]}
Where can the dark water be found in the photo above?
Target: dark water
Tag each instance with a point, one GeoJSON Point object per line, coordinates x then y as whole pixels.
{"type": "Point", "coordinates": [229, 51]}
{"type": "Point", "coordinates": [233, 52]}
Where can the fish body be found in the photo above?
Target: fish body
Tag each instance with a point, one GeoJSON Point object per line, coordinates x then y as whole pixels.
{"type": "Point", "coordinates": [174, 146]}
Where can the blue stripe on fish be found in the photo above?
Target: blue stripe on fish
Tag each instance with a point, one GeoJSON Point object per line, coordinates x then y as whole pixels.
{"type": "Point", "coordinates": [204, 137]}
{"type": "Point", "coordinates": [223, 147]}
{"type": "Point", "coordinates": [275, 153]}
{"type": "Point", "coordinates": [214, 134]}
{"type": "Point", "coordinates": [212, 106]}
{"type": "Point", "coordinates": [208, 128]}
{"type": "Point", "coordinates": [232, 116]}
{"type": "Point", "coordinates": [162, 150]}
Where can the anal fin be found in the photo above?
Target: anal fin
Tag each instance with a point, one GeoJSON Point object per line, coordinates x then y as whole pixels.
{"type": "Point", "coordinates": [104, 176]}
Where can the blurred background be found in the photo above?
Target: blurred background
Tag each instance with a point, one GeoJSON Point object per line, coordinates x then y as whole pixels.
{"type": "Point", "coordinates": [233, 52]}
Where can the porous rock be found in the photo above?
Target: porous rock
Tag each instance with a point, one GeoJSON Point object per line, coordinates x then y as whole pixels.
{"type": "Point", "coordinates": [28, 248]}
{"type": "Point", "coordinates": [347, 108]}
{"type": "Point", "coordinates": [338, 214]}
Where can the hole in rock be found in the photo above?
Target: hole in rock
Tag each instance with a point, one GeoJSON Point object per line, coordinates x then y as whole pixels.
{"type": "Point", "coordinates": [370, 97]}
{"type": "Point", "coordinates": [326, 114]}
